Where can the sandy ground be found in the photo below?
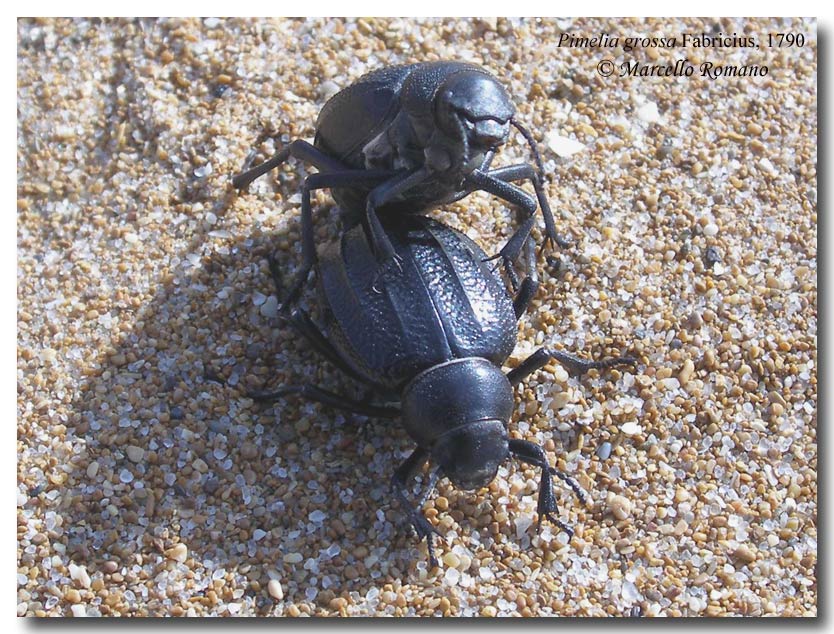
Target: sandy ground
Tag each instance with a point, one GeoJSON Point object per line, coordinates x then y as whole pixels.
{"type": "Point", "coordinates": [149, 484]}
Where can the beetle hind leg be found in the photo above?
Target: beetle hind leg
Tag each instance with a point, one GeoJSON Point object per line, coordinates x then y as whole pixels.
{"type": "Point", "coordinates": [320, 395]}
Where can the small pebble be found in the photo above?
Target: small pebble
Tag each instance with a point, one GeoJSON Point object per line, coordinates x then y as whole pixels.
{"type": "Point", "coordinates": [648, 112]}
{"type": "Point", "coordinates": [269, 308]}
{"type": "Point", "coordinates": [563, 146]}
{"type": "Point", "coordinates": [686, 372]}
{"type": "Point", "coordinates": [631, 428]}
{"type": "Point", "coordinates": [135, 454]}
{"type": "Point", "coordinates": [72, 595]}
{"type": "Point", "coordinates": [327, 89]}
{"type": "Point", "coordinates": [451, 559]}
{"type": "Point", "coordinates": [711, 230]}
{"type": "Point", "coordinates": [604, 451]}
{"type": "Point", "coordinates": [293, 558]}
{"type": "Point", "coordinates": [79, 574]}
{"type": "Point", "coordinates": [744, 554]}
{"type": "Point", "coordinates": [248, 451]}
{"type": "Point", "coordinates": [711, 257]}
{"type": "Point", "coordinates": [276, 591]}
{"type": "Point", "coordinates": [620, 507]}
{"type": "Point", "coordinates": [178, 552]}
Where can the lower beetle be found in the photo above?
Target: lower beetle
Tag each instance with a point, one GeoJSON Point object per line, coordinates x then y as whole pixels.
{"type": "Point", "coordinates": [432, 343]}
{"type": "Point", "coordinates": [403, 139]}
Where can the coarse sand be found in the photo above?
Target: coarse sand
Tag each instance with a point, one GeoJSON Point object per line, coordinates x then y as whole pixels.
{"type": "Point", "coordinates": [150, 484]}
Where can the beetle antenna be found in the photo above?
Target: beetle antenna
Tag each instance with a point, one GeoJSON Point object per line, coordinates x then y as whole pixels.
{"type": "Point", "coordinates": [463, 139]}
{"type": "Point", "coordinates": [532, 143]}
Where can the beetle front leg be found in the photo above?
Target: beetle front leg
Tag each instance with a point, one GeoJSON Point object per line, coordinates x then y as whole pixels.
{"type": "Point", "coordinates": [546, 506]}
{"type": "Point", "coordinates": [479, 180]}
{"type": "Point", "coordinates": [422, 526]}
{"type": "Point", "coordinates": [574, 365]}
{"type": "Point", "coordinates": [524, 172]}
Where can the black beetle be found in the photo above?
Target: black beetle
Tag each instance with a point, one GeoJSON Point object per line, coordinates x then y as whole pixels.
{"type": "Point", "coordinates": [403, 139]}
{"type": "Point", "coordinates": [433, 341]}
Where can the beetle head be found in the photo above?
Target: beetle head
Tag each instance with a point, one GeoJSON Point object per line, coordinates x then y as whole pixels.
{"type": "Point", "coordinates": [459, 410]}
{"type": "Point", "coordinates": [471, 454]}
{"type": "Point", "coordinates": [474, 107]}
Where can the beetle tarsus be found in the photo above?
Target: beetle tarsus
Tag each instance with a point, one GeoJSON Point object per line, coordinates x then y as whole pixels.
{"type": "Point", "coordinates": [242, 181]}
{"type": "Point", "coordinates": [555, 520]}
{"type": "Point", "coordinates": [554, 238]}
{"type": "Point", "coordinates": [573, 484]}
{"type": "Point", "coordinates": [421, 525]}
{"type": "Point", "coordinates": [509, 269]}
{"type": "Point", "coordinates": [425, 530]}
{"type": "Point", "coordinates": [546, 506]}
{"type": "Point", "coordinates": [395, 262]}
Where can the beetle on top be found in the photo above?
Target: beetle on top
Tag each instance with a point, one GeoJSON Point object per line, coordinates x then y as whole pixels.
{"type": "Point", "coordinates": [405, 139]}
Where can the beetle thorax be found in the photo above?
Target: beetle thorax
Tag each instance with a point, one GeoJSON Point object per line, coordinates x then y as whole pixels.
{"type": "Point", "coordinates": [459, 410]}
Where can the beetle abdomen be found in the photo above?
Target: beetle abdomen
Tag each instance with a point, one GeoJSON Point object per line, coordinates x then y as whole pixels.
{"type": "Point", "coordinates": [445, 304]}
{"type": "Point", "coordinates": [356, 114]}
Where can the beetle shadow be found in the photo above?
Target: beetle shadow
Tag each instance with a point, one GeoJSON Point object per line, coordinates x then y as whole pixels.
{"type": "Point", "coordinates": [170, 450]}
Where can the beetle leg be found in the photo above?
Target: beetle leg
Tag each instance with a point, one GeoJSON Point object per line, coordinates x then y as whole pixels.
{"type": "Point", "coordinates": [298, 149]}
{"type": "Point", "coordinates": [546, 506]}
{"type": "Point", "coordinates": [302, 322]}
{"type": "Point", "coordinates": [520, 240]}
{"type": "Point", "coordinates": [530, 284]}
{"type": "Point", "coordinates": [574, 365]}
{"type": "Point", "coordinates": [433, 478]}
{"type": "Point", "coordinates": [378, 197]}
{"type": "Point", "coordinates": [305, 326]}
{"type": "Point", "coordinates": [516, 196]}
{"type": "Point", "coordinates": [320, 395]}
{"type": "Point", "coordinates": [322, 180]}
{"type": "Point", "coordinates": [573, 484]}
{"type": "Point", "coordinates": [487, 161]}
{"type": "Point", "coordinates": [523, 171]}
{"type": "Point", "coordinates": [422, 526]}
{"type": "Point", "coordinates": [509, 269]}
{"type": "Point", "coordinates": [501, 188]}
{"type": "Point", "coordinates": [515, 245]}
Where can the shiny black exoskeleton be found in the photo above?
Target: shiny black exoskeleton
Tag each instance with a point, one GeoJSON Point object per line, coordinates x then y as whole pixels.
{"type": "Point", "coordinates": [433, 341]}
{"type": "Point", "coordinates": [404, 139]}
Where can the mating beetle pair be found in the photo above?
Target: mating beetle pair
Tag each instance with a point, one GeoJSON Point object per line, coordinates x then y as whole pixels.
{"type": "Point", "coordinates": [408, 138]}
{"type": "Point", "coordinates": [432, 339]}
